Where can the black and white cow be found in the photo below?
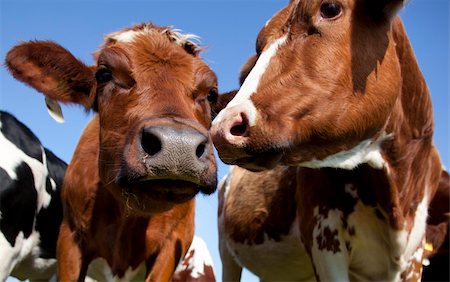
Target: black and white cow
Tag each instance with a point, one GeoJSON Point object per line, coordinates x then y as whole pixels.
{"type": "Point", "coordinates": [30, 207]}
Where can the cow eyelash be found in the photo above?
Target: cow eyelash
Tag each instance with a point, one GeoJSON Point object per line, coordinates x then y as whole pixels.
{"type": "Point", "coordinates": [103, 75]}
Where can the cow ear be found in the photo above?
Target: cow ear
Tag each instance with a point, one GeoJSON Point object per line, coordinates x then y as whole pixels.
{"type": "Point", "coordinates": [54, 71]}
{"type": "Point", "coordinates": [384, 9]}
{"type": "Point", "coordinates": [222, 102]}
{"type": "Point", "coordinates": [247, 68]}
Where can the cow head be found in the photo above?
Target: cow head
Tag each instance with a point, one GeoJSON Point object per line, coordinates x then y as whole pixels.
{"type": "Point", "coordinates": [325, 81]}
{"type": "Point", "coordinates": [153, 96]}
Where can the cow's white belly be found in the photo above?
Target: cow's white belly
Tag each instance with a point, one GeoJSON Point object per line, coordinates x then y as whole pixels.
{"type": "Point", "coordinates": [285, 260]}
{"type": "Point", "coordinates": [368, 249]}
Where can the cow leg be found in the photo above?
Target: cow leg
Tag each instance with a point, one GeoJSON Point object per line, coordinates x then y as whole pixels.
{"type": "Point", "coordinates": [165, 262]}
{"type": "Point", "coordinates": [328, 250]}
{"type": "Point", "coordinates": [231, 271]}
{"type": "Point", "coordinates": [9, 255]}
{"type": "Point", "coordinates": [70, 259]}
{"type": "Point", "coordinates": [162, 270]}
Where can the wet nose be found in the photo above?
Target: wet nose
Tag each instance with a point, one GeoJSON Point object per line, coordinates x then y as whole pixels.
{"type": "Point", "coordinates": [175, 150]}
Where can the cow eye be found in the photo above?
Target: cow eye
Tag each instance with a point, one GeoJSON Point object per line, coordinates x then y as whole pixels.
{"type": "Point", "coordinates": [212, 96]}
{"type": "Point", "coordinates": [103, 75]}
{"type": "Point", "coordinates": [330, 10]}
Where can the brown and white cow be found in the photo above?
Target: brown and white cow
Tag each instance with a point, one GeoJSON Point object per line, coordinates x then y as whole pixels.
{"type": "Point", "coordinates": [259, 227]}
{"type": "Point", "coordinates": [128, 192]}
{"type": "Point", "coordinates": [336, 92]}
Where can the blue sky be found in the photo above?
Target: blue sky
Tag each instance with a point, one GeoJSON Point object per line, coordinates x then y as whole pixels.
{"type": "Point", "coordinates": [227, 28]}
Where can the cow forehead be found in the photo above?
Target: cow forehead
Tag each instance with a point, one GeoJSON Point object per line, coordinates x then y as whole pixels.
{"type": "Point", "coordinates": [142, 49]}
{"type": "Point", "coordinates": [175, 35]}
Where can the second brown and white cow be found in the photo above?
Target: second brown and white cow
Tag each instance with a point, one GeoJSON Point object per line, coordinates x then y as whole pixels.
{"type": "Point", "coordinates": [259, 227]}
{"type": "Point", "coordinates": [128, 194]}
{"type": "Point", "coordinates": [336, 93]}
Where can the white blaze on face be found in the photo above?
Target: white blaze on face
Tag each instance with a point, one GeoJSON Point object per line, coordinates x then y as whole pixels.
{"type": "Point", "coordinates": [251, 83]}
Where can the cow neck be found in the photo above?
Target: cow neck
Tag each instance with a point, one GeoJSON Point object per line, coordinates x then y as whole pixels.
{"type": "Point", "coordinates": [411, 158]}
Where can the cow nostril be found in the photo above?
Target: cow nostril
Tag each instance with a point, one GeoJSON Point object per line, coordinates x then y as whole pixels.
{"type": "Point", "coordinates": [150, 143]}
{"type": "Point", "coordinates": [240, 126]}
{"type": "Point", "coordinates": [239, 130]}
{"type": "Point", "coordinates": [200, 151]}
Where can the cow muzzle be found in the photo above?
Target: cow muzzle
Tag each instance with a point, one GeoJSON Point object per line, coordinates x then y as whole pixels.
{"type": "Point", "coordinates": [168, 163]}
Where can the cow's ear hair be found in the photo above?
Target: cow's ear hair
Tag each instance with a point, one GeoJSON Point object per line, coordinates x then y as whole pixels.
{"type": "Point", "coordinates": [54, 71]}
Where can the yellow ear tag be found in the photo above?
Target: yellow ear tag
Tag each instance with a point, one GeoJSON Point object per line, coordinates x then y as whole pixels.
{"type": "Point", "coordinates": [429, 247]}
{"type": "Point", "coordinates": [54, 110]}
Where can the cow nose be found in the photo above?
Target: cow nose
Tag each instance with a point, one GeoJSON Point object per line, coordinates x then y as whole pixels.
{"type": "Point", "coordinates": [175, 149]}
{"type": "Point", "coordinates": [230, 129]}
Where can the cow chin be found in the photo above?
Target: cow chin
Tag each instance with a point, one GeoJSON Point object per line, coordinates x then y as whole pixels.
{"type": "Point", "coordinates": [258, 162]}
{"type": "Point", "coordinates": [146, 197]}
{"type": "Point", "coordinates": [150, 198]}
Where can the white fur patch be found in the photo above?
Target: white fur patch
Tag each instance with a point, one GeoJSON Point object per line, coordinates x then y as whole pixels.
{"type": "Point", "coordinates": [250, 85]}
{"type": "Point", "coordinates": [368, 151]}
{"type": "Point", "coordinates": [417, 233]}
{"type": "Point", "coordinates": [12, 156]}
{"type": "Point", "coordinates": [99, 270]}
{"type": "Point", "coordinates": [374, 247]}
{"type": "Point", "coordinates": [125, 36]}
{"type": "Point", "coordinates": [22, 260]}
{"type": "Point", "coordinates": [225, 181]}
{"type": "Point", "coordinates": [201, 257]}
{"type": "Point", "coordinates": [175, 35]}
{"type": "Point", "coordinates": [284, 260]}
{"type": "Point", "coordinates": [10, 255]}
{"type": "Point", "coordinates": [181, 38]}
{"type": "Point", "coordinates": [407, 243]}
{"type": "Point", "coordinates": [330, 265]}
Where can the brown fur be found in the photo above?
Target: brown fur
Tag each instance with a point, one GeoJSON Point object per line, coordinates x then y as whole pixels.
{"type": "Point", "coordinates": [272, 209]}
{"type": "Point", "coordinates": [117, 205]}
{"type": "Point", "coordinates": [333, 84]}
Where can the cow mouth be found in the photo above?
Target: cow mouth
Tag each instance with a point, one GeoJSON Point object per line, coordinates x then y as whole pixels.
{"type": "Point", "coordinates": [146, 197]}
{"type": "Point", "coordinates": [159, 191]}
{"type": "Point", "coordinates": [166, 190]}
